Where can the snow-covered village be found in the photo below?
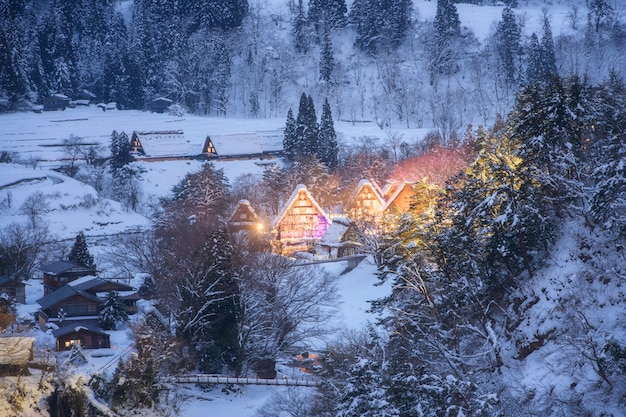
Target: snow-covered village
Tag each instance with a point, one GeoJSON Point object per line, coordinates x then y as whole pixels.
{"type": "Point", "coordinates": [312, 208]}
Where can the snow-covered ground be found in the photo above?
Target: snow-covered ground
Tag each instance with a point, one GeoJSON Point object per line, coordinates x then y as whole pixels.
{"type": "Point", "coordinates": [72, 206]}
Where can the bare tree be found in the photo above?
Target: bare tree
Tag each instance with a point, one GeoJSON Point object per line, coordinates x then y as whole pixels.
{"type": "Point", "coordinates": [283, 304]}
{"type": "Point", "coordinates": [34, 206]}
{"type": "Point", "coordinates": [20, 248]}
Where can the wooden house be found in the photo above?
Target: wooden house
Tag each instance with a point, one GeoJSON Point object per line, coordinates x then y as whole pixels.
{"type": "Point", "coordinates": [87, 336]}
{"type": "Point", "coordinates": [341, 239]}
{"type": "Point", "coordinates": [13, 288]}
{"type": "Point", "coordinates": [244, 218]}
{"type": "Point", "coordinates": [78, 302]}
{"type": "Point", "coordinates": [56, 102]}
{"type": "Point", "coordinates": [367, 201]}
{"type": "Point", "coordinates": [399, 201]}
{"type": "Point", "coordinates": [300, 224]}
{"type": "Point", "coordinates": [161, 144]}
{"type": "Point", "coordinates": [60, 273]}
{"type": "Point", "coordinates": [209, 148]}
{"type": "Point", "coordinates": [160, 104]}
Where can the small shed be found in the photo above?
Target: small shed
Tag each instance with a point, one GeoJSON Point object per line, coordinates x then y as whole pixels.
{"type": "Point", "coordinates": [341, 239]}
{"type": "Point", "coordinates": [87, 336]}
{"type": "Point", "coordinates": [160, 104]}
{"type": "Point", "coordinates": [56, 102]}
{"type": "Point", "coordinates": [14, 288]}
{"type": "Point", "coordinates": [244, 218]}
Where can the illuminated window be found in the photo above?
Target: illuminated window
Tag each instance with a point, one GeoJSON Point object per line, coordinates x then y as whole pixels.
{"type": "Point", "coordinates": [72, 342]}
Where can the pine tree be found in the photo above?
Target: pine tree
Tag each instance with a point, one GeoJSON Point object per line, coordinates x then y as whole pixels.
{"type": "Point", "coordinates": [380, 25]}
{"type": "Point", "coordinates": [120, 150]}
{"type": "Point", "coordinates": [306, 143]}
{"type": "Point", "coordinates": [311, 133]}
{"type": "Point", "coordinates": [608, 201]}
{"type": "Point", "coordinates": [80, 252]}
{"type": "Point", "coordinates": [327, 15]}
{"type": "Point", "coordinates": [508, 38]}
{"type": "Point", "coordinates": [447, 22]}
{"type": "Point", "coordinates": [327, 60]}
{"type": "Point", "coordinates": [548, 59]}
{"type": "Point", "coordinates": [327, 147]}
{"type": "Point", "coordinates": [441, 47]}
{"type": "Point", "coordinates": [534, 69]}
{"type": "Point", "coordinates": [113, 311]}
{"type": "Point", "coordinates": [300, 30]}
{"type": "Point", "coordinates": [289, 139]}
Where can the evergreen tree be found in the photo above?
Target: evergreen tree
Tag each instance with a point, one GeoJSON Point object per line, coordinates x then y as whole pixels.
{"type": "Point", "coordinates": [80, 252]}
{"type": "Point", "coordinates": [380, 25]}
{"type": "Point", "coordinates": [508, 38]}
{"type": "Point", "coordinates": [202, 194]}
{"type": "Point", "coordinates": [327, 15]}
{"type": "Point", "coordinates": [289, 139]}
{"type": "Point", "coordinates": [608, 200]}
{"type": "Point", "coordinates": [327, 60]}
{"type": "Point", "coordinates": [112, 312]}
{"type": "Point", "coordinates": [327, 147]}
{"type": "Point", "coordinates": [208, 295]}
{"type": "Point", "coordinates": [447, 22]}
{"type": "Point", "coordinates": [306, 143]}
{"type": "Point", "coordinates": [534, 68]}
{"type": "Point", "coordinates": [441, 46]}
{"type": "Point", "coordinates": [120, 150]}
{"type": "Point", "coordinates": [548, 59]}
{"type": "Point", "coordinates": [300, 30]}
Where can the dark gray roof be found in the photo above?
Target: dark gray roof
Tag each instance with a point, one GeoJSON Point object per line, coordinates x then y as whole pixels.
{"type": "Point", "coordinates": [95, 282]}
{"type": "Point", "coordinates": [75, 328]}
{"type": "Point", "coordinates": [63, 293]}
{"type": "Point", "coordinates": [59, 267]}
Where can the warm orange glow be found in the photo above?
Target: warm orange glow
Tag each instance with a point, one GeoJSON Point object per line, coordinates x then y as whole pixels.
{"type": "Point", "coordinates": [437, 165]}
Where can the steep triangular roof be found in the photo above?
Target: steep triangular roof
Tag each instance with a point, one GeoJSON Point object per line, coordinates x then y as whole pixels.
{"type": "Point", "coordinates": [209, 147]}
{"type": "Point", "coordinates": [300, 191]}
{"type": "Point", "coordinates": [398, 192]}
{"type": "Point", "coordinates": [369, 186]}
{"type": "Point", "coordinates": [244, 214]}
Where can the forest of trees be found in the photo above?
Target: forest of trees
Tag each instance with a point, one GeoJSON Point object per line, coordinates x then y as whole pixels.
{"type": "Point", "coordinates": [242, 58]}
{"type": "Point", "coordinates": [540, 183]}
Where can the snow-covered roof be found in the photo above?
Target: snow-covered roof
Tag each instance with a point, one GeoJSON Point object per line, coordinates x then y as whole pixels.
{"type": "Point", "coordinates": [63, 293]}
{"type": "Point", "coordinates": [243, 205]}
{"type": "Point", "coordinates": [90, 282]}
{"type": "Point", "coordinates": [300, 189]}
{"type": "Point", "coordinates": [58, 267]}
{"type": "Point", "coordinates": [75, 328]}
{"type": "Point", "coordinates": [396, 193]}
{"type": "Point", "coordinates": [335, 231]}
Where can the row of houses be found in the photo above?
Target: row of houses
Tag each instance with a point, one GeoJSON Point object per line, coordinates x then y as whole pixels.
{"type": "Point", "coordinates": [303, 225]}
{"type": "Point", "coordinates": [73, 299]}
